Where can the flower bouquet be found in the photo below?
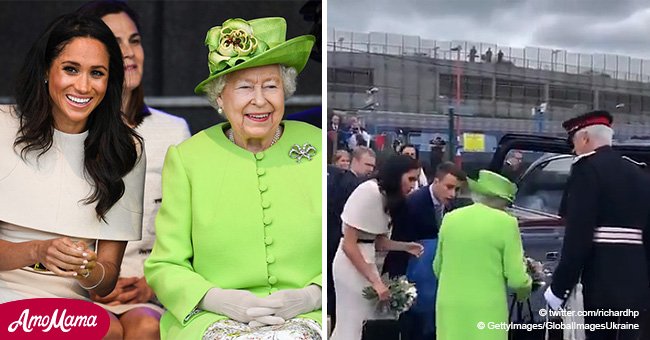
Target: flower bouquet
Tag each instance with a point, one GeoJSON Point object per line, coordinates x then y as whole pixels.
{"type": "Point", "coordinates": [402, 295]}
{"type": "Point", "coordinates": [536, 271]}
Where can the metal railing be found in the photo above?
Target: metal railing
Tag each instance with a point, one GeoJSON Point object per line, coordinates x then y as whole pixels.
{"type": "Point", "coordinates": [607, 65]}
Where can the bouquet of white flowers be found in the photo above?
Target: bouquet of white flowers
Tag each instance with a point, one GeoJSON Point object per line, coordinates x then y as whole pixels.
{"type": "Point", "coordinates": [537, 272]}
{"type": "Point", "coordinates": [402, 295]}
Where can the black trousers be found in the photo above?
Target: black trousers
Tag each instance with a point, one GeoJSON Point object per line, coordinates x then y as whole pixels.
{"type": "Point", "coordinates": [412, 326]}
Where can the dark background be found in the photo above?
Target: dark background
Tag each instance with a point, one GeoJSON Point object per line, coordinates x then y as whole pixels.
{"type": "Point", "coordinates": [173, 34]}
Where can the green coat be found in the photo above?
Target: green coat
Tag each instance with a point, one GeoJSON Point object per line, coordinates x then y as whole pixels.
{"type": "Point", "coordinates": [479, 254]}
{"type": "Point", "coordinates": [235, 220]}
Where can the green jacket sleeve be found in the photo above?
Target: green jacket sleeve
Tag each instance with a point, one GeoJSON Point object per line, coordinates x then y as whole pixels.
{"type": "Point", "coordinates": [514, 266]}
{"type": "Point", "coordinates": [318, 280]}
{"type": "Point", "coordinates": [168, 269]}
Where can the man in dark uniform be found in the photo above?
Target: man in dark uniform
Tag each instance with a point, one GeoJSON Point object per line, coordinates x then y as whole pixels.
{"type": "Point", "coordinates": [340, 185]}
{"type": "Point", "coordinates": [606, 209]}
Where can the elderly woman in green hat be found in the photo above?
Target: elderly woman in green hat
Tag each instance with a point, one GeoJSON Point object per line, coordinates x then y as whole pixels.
{"type": "Point", "coordinates": [238, 243]}
{"type": "Point", "coordinates": [479, 255]}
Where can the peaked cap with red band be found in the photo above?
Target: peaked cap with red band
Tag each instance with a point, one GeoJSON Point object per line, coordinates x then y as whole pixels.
{"type": "Point", "coordinates": [573, 125]}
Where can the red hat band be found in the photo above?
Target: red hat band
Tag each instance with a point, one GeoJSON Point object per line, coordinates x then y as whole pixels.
{"type": "Point", "coordinates": [592, 121]}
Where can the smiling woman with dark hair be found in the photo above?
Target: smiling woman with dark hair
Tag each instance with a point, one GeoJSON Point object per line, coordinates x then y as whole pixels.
{"type": "Point", "coordinates": [71, 171]}
{"type": "Point", "coordinates": [366, 224]}
{"type": "Point", "coordinates": [133, 308]}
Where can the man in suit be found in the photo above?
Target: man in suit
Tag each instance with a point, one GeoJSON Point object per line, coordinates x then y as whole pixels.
{"type": "Point", "coordinates": [340, 185]}
{"type": "Point", "coordinates": [420, 221]}
{"type": "Point", "coordinates": [606, 206]}
{"type": "Point", "coordinates": [335, 122]}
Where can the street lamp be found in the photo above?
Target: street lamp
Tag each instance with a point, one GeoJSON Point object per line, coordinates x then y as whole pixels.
{"type": "Point", "coordinates": [371, 102]}
{"type": "Point", "coordinates": [457, 49]}
{"type": "Point", "coordinates": [451, 135]}
{"type": "Point", "coordinates": [435, 52]}
{"type": "Point", "coordinates": [554, 53]}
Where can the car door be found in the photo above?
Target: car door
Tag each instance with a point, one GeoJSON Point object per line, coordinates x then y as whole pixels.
{"type": "Point", "coordinates": [540, 192]}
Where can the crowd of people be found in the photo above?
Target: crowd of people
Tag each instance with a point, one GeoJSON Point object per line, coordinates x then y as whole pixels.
{"type": "Point", "coordinates": [485, 57]}
{"type": "Point", "coordinates": [347, 136]}
{"type": "Point", "coordinates": [108, 200]}
{"type": "Point", "coordinates": [388, 210]}
{"type": "Point", "coordinates": [464, 255]}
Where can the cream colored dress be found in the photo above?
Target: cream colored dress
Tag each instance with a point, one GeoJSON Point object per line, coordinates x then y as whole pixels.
{"type": "Point", "coordinates": [42, 198]}
{"type": "Point", "coordinates": [364, 211]}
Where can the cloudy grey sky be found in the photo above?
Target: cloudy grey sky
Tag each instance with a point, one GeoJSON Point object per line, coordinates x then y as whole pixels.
{"type": "Point", "coordinates": [588, 26]}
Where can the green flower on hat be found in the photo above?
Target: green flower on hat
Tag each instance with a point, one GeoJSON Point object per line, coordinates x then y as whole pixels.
{"type": "Point", "coordinates": [239, 44]}
{"type": "Point", "coordinates": [231, 43]}
{"type": "Point", "coordinates": [492, 184]}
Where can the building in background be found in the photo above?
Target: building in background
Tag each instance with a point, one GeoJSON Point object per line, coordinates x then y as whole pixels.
{"type": "Point", "coordinates": [529, 90]}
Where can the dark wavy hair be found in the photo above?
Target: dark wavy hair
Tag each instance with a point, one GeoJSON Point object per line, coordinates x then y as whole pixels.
{"type": "Point", "coordinates": [136, 109]}
{"type": "Point", "coordinates": [389, 178]}
{"type": "Point", "coordinates": [111, 148]}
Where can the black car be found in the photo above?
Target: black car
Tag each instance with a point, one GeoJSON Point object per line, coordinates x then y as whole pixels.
{"type": "Point", "coordinates": [540, 191]}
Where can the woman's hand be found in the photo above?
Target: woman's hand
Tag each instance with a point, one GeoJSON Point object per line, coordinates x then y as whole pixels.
{"type": "Point", "coordinates": [382, 290]}
{"type": "Point", "coordinates": [89, 260]}
{"type": "Point", "coordinates": [297, 301]}
{"type": "Point", "coordinates": [121, 294]}
{"type": "Point", "coordinates": [140, 292]}
{"type": "Point", "coordinates": [239, 305]}
{"type": "Point", "coordinates": [414, 248]}
{"type": "Point", "coordinates": [64, 257]}
{"type": "Point", "coordinates": [523, 293]}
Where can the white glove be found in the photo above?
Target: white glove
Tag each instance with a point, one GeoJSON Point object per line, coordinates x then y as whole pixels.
{"type": "Point", "coordinates": [298, 301]}
{"type": "Point", "coordinates": [553, 301]}
{"type": "Point", "coordinates": [263, 317]}
{"type": "Point", "coordinates": [235, 303]}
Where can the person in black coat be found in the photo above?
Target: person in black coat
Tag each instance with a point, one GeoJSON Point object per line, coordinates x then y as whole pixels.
{"type": "Point", "coordinates": [606, 206]}
{"type": "Point", "coordinates": [340, 185]}
{"type": "Point", "coordinates": [420, 221]}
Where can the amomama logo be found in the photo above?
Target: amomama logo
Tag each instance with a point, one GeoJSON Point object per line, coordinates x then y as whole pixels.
{"type": "Point", "coordinates": [52, 319]}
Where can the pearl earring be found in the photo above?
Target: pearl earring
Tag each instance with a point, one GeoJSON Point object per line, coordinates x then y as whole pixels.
{"type": "Point", "coordinates": [220, 110]}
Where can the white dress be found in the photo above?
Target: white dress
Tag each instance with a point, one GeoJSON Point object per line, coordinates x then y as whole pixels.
{"type": "Point", "coordinates": [42, 198]}
{"type": "Point", "coordinates": [159, 131]}
{"type": "Point", "coordinates": [364, 211]}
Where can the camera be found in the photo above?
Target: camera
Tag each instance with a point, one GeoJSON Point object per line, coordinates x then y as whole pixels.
{"type": "Point", "coordinates": [437, 142]}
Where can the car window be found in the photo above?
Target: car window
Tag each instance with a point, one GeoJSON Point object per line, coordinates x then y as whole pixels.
{"type": "Point", "coordinates": [542, 186]}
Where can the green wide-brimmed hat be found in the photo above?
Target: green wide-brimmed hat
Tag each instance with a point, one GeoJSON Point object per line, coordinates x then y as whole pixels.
{"type": "Point", "coordinates": [492, 184]}
{"type": "Point", "coordinates": [239, 44]}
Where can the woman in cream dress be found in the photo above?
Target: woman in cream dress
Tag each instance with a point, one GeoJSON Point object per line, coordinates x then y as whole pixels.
{"type": "Point", "coordinates": [366, 225]}
{"type": "Point", "coordinates": [71, 171]}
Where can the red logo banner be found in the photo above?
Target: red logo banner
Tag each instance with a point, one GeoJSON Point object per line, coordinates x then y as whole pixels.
{"type": "Point", "coordinates": [52, 319]}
